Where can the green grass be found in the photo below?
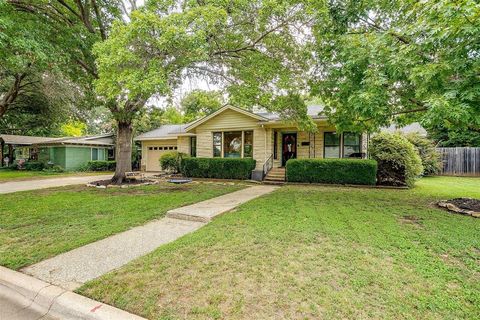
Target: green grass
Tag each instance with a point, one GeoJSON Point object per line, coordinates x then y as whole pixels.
{"type": "Point", "coordinates": [307, 252]}
{"type": "Point", "coordinates": [36, 225]}
{"type": "Point", "coordinates": [17, 175]}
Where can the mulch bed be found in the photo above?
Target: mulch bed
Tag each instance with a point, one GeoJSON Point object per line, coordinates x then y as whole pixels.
{"type": "Point", "coordinates": [465, 206]}
{"type": "Point", "coordinates": [125, 183]}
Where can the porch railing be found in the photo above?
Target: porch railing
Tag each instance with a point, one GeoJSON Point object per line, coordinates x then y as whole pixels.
{"type": "Point", "coordinates": [268, 165]}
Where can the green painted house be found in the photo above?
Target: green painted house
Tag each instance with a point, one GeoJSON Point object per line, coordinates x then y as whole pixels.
{"type": "Point", "coordinates": [70, 153]}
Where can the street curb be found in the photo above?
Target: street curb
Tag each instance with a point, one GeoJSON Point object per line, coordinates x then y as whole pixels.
{"type": "Point", "coordinates": [54, 301]}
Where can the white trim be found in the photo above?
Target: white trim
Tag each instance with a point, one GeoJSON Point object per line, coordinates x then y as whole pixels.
{"type": "Point", "coordinates": [156, 138]}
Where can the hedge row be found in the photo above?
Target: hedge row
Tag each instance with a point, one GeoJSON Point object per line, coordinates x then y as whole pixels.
{"type": "Point", "coordinates": [101, 165]}
{"type": "Point", "coordinates": [218, 168]}
{"type": "Point", "coordinates": [335, 171]}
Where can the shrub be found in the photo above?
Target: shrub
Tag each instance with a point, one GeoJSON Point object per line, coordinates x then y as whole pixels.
{"type": "Point", "coordinates": [336, 171]}
{"type": "Point", "coordinates": [54, 168]}
{"type": "Point", "coordinates": [34, 165]}
{"type": "Point", "coordinates": [172, 161]}
{"type": "Point", "coordinates": [398, 162]}
{"type": "Point", "coordinates": [428, 154]}
{"type": "Point", "coordinates": [218, 168]}
{"type": "Point", "coordinates": [100, 165]}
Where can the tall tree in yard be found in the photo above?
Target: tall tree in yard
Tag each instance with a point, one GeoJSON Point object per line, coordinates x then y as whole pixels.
{"type": "Point", "coordinates": [88, 22]}
{"type": "Point", "coordinates": [383, 60]}
{"type": "Point", "coordinates": [249, 47]}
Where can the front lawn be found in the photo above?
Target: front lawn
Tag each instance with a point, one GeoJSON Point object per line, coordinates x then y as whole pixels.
{"type": "Point", "coordinates": [36, 225]}
{"type": "Point", "coordinates": [7, 175]}
{"type": "Point", "coordinates": [307, 252]}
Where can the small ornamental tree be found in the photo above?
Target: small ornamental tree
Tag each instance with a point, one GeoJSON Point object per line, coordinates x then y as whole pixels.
{"type": "Point", "coordinates": [398, 161]}
{"type": "Point", "coordinates": [426, 149]}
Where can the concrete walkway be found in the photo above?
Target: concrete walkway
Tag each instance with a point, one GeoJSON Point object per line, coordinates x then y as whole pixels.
{"type": "Point", "coordinates": [206, 210]}
{"type": "Point", "coordinates": [25, 185]}
{"type": "Point", "coordinates": [71, 269]}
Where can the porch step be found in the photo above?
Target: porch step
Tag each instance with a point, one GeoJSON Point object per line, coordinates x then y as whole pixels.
{"type": "Point", "coordinates": [274, 183]}
{"type": "Point", "coordinates": [275, 176]}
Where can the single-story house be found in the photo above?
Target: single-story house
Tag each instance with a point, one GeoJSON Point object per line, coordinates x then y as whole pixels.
{"type": "Point", "coordinates": [232, 132]}
{"type": "Point", "coordinates": [68, 152]}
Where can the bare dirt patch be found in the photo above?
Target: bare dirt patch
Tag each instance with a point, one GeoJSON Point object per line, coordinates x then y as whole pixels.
{"type": "Point", "coordinates": [413, 220]}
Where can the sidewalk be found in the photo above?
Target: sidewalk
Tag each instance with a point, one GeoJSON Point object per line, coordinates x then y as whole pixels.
{"type": "Point", "coordinates": [71, 269]}
{"type": "Point", "coordinates": [25, 185]}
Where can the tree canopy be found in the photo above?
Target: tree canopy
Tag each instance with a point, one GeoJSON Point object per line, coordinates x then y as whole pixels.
{"type": "Point", "coordinates": [382, 60]}
{"type": "Point", "coordinates": [199, 103]}
{"type": "Point", "coordinates": [248, 47]}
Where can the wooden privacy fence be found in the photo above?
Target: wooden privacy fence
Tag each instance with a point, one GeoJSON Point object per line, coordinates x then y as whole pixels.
{"type": "Point", "coordinates": [460, 161]}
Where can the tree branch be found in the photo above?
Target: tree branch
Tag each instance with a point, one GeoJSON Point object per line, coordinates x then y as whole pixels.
{"type": "Point", "coordinates": [98, 16]}
{"type": "Point", "coordinates": [91, 70]}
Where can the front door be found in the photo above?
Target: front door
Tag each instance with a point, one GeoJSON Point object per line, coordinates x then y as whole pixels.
{"type": "Point", "coordinates": [289, 147]}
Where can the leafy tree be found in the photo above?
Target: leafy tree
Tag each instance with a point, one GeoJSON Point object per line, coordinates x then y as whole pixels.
{"type": "Point", "coordinates": [73, 129]}
{"type": "Point", "coordinates": [246, 46]}
{"type": "Point", "coordinates": [384, 60]}
{"type": "Point", "coordinates": [151, 118]}
{"type": "Point", "coordinates": [431, 161]}
{"type": "Point", "coordinates": [454, 137]}
{"type": "Point", "coordinates": [29, 56]}
{"type": "Point", "coordinates": [88, 22]}
{"type": "Point", "coordinates": [199, 103]}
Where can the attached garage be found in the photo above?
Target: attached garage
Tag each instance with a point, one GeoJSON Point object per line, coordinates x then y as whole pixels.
{"type": "Point", "coordinates": [153, 150]}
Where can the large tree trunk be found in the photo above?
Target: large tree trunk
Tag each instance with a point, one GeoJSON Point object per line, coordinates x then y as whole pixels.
{"type": "Point", "coordinates": [123, 151]}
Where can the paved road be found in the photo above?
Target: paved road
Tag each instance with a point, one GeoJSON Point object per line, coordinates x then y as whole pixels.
{"type": "Point", "coordinates": [14, 186]}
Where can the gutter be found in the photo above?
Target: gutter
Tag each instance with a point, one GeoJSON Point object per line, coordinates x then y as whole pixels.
{"type": "Point", "coordinates": [52, 301]}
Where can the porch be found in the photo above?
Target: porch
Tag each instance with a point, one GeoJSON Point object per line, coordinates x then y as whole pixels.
{"type": "Point", "coordinates": [291, 143]}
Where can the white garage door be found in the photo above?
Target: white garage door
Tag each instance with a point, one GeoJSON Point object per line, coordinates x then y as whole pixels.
{"type": "Point", "coordinates": [153, 156]}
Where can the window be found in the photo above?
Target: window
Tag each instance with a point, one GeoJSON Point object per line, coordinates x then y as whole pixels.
{"type": "Point", "coordinates": [217, 144]}
{"type": "Point", "coordinates": [331, 147]}
{"type": "Point", "coordinates": [111, 154]}
{"type": "Point", "coordinates": [351, 144]}
{"type": "Point", "coordinates": [193, 146]}
{"type": "Point", "coordinates": [150, 148]}
{"type": "Point", "coordinates": [232, 144]}
{"type": "Point", "coordinates": [248, 144]}
{"type": "Point", "coordinates": [155, 148]}
{"type": "Point", "coordinates": [94, 154]}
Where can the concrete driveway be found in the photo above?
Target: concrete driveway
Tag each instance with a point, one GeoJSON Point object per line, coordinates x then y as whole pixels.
{"type": "Point", "coordinates": [25, 185]}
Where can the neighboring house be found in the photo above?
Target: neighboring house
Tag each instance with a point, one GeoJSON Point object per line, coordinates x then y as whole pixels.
{"type": "Point", "coordinates": [409, 128]}
{"type": "Point", "coordinates": [69, 152]}
{"type": "Point", "coordinates": [237, 133]}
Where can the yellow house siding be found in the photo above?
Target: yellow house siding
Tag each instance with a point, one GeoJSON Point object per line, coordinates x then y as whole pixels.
{"type": "Point", "coordinates": [314, 150]}
{"type": "Point", "coordinates": [204, 143]}
{"type": "Point", "coordinates": [229, 119]}
{"type": "Point", "coordinates": [183, 144]}
{"type": "Point", "coordinates": [260, 151]}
